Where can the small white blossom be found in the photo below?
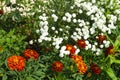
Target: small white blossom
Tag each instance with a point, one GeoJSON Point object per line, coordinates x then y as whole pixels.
{"type": "Point", "coordinates": [101, 46]}
{"type": "Point", "coordinates": [73, 15]}
{"type": "Point", "coordinates": [64, 18]}
{"type": "Point", "coordinates": [74, 20]}
{"type": "Point", "coordinates": [31, 42]}
{"type": "Point", "coordinates": [53, 28]}
{"type": "Point", "coordinates": [54, 17]}
{"type": "Point", "coordinates": [37, 31]}
{"type": "Point", "coordinates": [13, 1]}
{"type": "Point", "coordinates": [77, 51]}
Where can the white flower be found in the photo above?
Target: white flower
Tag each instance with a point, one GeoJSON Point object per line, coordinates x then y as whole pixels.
{"type": "Point", "coordinates": [13, 1]}
{"type": "Point", "coordinates": [44, 18]}
{"type": "Point", "coordinates": [68, 15]}
{"type": "Point", "coordinates": [77, 51]}
{"type": "Point", "coordinates": [93, 48]}
{"type": "Point", "coordinates": [31, 42]}
{"type": "Point", "coordinates": [74, 33]}
{"type": "Point", "coordinates": [93, 1]}
{"type": "Point", "coordinates": [64, 18]}
{"type": "Point", "coordinates": [107, 43]}
{"type": "Point", "coordinates": [72, 7]}
{"type": "Point", "coordinates": [56, 32]}
{"type": "Point", "coordinates": [74, 20]}
{"type": "Point", "coordinates": [6, 9]}
{"type": "Point", "coordinates": [39, 40]}
{"type": "Point", "coordinates": [68, 19]}
{"type": "Point", "coordinates": [61, 55]}
{"type": "Point", "coordinates": [61, 29]}
{"type": "Point", "coordinates": [73, 15]}
{"type": "Point", "coordinates": [37, 31]}
{"type": "Point", "coordinates": [96, 43]}
{"type": "Point", "coordinates": [45, 23]}
{"type": "Point", "coordinates": [53, 28]}
{"type": "Point", "coordinates": [54, 17]}
{"type": "Point", "coordinates": [57, 46]}
{"type": "Point", "coordinates": [66, 52]}
{"type": "Point", "coordinates": [80, 11]}
{"type": "Point", "coordinates": [63, 48]}
{"type": "Point", "coordinates": [101, 46]}
{"type": "Point", "coordinates": [89, 46]}
{"type": "Point", "coordinates": [41, 23]}
{"type": "Point", "coordinates": [97, 53]}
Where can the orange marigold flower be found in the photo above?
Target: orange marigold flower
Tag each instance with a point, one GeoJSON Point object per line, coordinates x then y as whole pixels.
{"type": "Point", "coordinates": [77, 58]}
{"type": "Point", "coordinates": [95, 68]}
{"type": "Point", "coordinates": [57, 66]}
{"type": "Point", "coordinates": [28, 53]}
{"type": "Point", "coordinates": [110, 50]}
{"type": "Point", "coordinates": [82, 67]}
{"type": "Point", "coordinates": [101, 38]}
{"type": "Point", "coordinates": [81, 43]}
{"type": "Point", "coordinates": [70, 48]}
{"type": "Point", "coordinates": [16, 63]}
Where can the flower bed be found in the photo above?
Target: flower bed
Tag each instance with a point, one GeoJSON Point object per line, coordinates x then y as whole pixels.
{"type": "Point", "coordinates": [59, 40]}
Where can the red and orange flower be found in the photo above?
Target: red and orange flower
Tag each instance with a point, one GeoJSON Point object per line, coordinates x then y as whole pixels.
{"type": "Point", "coordinates": [28, 53]}
{"type": "Point", "coordinates": [110, 50]}
{"type": "Point", "coordinates": [70, 48]}
{"type": "Point", "coordinates": [77, 58]}
{"type": "Point", "coordinates": [95, 68]}
{"type": "Point", "coordinates": [81, 43]}
{"type": "Point", "coordinates": [101, 38]}
{"type": "Point", "coordinates": [57, 66]}
{"type": "Point", "coordinates": [16, 63]}
{"type": "Point", "coordinates": [82, 67]}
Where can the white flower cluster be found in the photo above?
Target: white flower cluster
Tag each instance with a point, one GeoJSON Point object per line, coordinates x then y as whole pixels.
{"type": "Point", "coordinates": [43, 28]}
{"type": "Point", "coordinates": [55, 18]}
{"type": "Point", "coordinates": [63, 51]}
{"type": "Point", "coordinates": [93, 22]}
{"type": "Point", "coordinates": [57, 42]}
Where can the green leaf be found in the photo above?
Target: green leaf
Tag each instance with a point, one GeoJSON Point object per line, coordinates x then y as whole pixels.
{"type": "Point", "coordinates": [4, 77]}
{"type": "Point", "coordinates": [12, 73]}
{"type": "Point", "coordinates": [7, 2]}
{"type": "Point", "coordinates": [30, 78]}
{"type": "Point", "coordinates": [111, 73]}
{"type": "Point", "coordinates": [117, 42]}
{"type": "Point", "coordinates": [39, 73]}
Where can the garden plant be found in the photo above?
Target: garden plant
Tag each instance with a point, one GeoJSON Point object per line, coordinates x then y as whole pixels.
{"type": "Point", "coordinates": [59, 39]}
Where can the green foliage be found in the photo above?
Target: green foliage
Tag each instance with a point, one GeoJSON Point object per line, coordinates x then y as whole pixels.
{"type": "Point", "coordinates": [12, 41]}
{"type": "Point", "coordinates": [18, 26]}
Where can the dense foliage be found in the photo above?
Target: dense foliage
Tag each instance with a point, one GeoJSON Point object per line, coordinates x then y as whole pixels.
{"type": "Point", "coordinates": [60, 40]}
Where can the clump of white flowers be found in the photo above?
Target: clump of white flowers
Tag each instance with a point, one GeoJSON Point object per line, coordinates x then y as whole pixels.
{"type": "Point", "coordinates": [82, 21]}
